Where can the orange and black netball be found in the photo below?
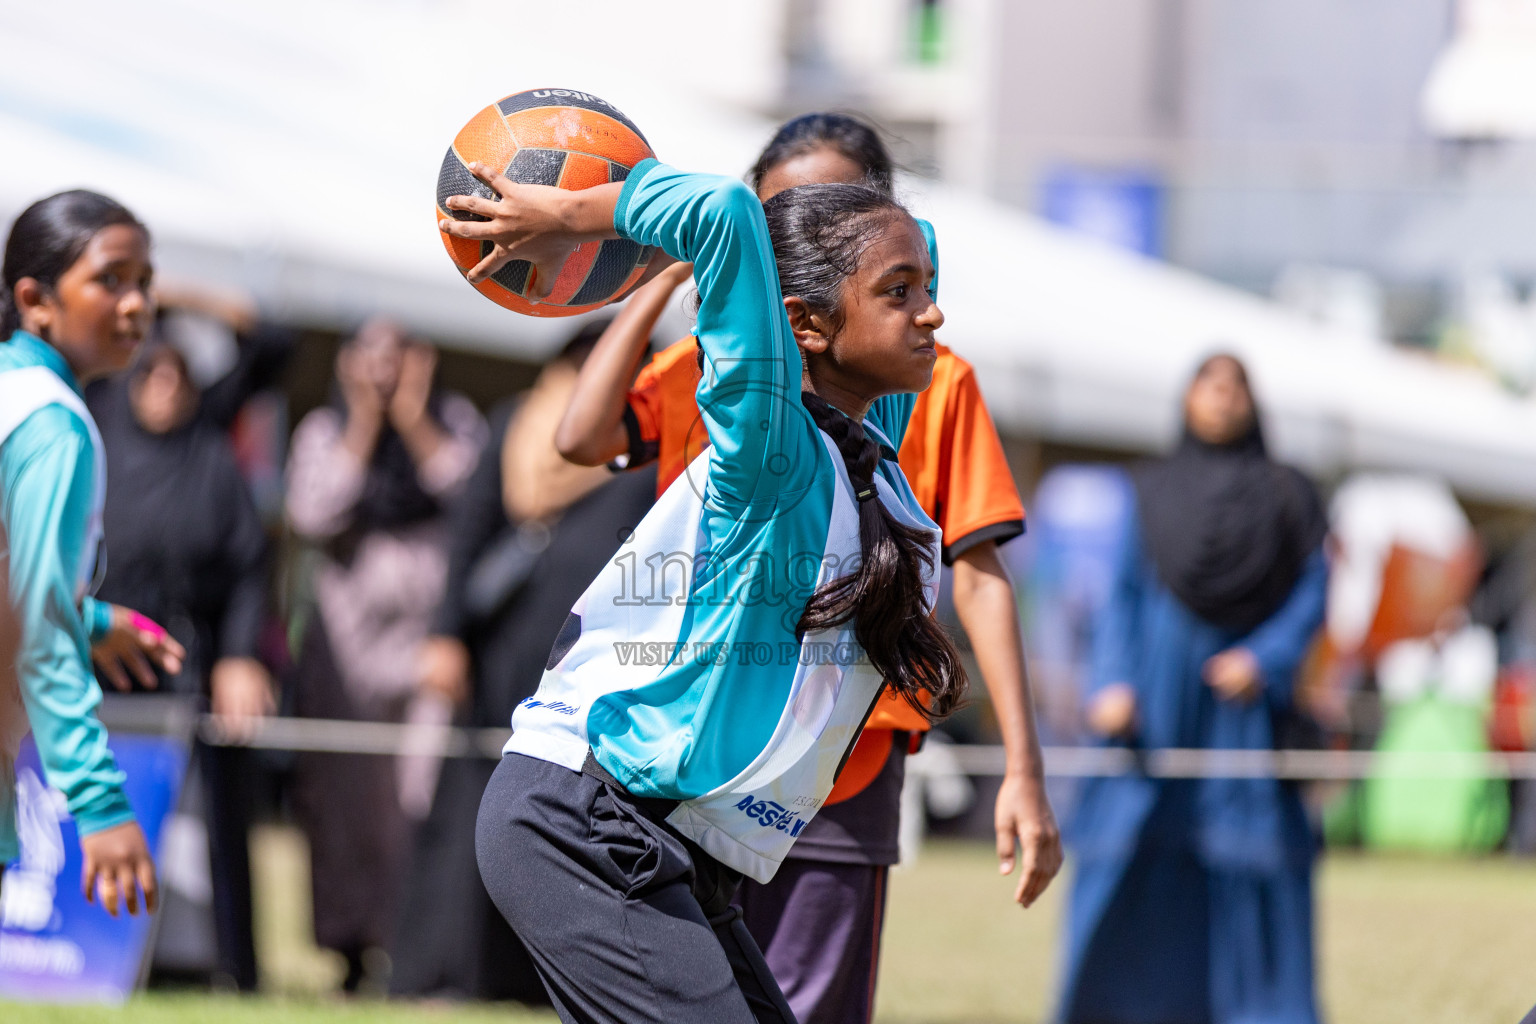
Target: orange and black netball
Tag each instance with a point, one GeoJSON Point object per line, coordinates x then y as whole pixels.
{"type": "Point", "coordinates": [562, 137]}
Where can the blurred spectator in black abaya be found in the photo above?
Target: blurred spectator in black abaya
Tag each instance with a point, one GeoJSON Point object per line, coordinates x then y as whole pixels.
{"type": "Point", "coordinates": [528, 535]}
{"type": "Point", "coordinates": [187, 548]}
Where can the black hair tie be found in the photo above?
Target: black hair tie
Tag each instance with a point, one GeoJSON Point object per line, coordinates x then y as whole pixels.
{"type": "Point", "coordinates": [860, 452]}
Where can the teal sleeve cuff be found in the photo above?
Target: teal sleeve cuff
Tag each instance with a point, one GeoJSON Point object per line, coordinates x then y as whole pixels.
{"type": "Point", "coordinates": [631, 183]}
{"type": "Point", "coordinates": [107, 811]}
{"type": "Point", "coordinates": [97, 616]}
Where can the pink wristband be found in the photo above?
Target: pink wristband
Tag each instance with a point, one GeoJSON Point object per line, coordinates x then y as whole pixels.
{"type": "Point", "coordinates": [138, 620]}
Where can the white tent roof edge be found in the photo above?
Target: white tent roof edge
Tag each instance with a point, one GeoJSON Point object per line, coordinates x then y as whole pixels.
{"type": "Point", "coordinates": [234, 133]}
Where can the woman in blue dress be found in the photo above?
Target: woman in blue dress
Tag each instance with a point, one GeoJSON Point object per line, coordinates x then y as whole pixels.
{"type": "Point", "coordinates": [1192, 899]}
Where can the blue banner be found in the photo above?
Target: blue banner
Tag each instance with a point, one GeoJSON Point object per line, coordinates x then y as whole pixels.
{"type": "Point", "coordinates": [53, 944]}
{"type": "Point", "coordinates": [1122, 207]}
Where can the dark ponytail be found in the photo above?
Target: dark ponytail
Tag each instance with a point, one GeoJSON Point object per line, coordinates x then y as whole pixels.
{"type": "Point", "coordinates": [884, 596]}
{"type": "Point", "coordinates": [48, 238]}
{"type": "Point", "coordinates": [847, 134]}
{"type": "Point", "coordinates": [820, 233]}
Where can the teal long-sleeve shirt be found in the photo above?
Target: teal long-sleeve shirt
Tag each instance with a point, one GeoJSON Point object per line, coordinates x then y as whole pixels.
{"type": "Point", "coordinates": [727, 560]}
{"type": "Point", "coordinates": [47, 481]}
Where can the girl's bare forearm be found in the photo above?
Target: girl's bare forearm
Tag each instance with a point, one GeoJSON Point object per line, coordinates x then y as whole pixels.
{"type": "Point", "coordinates": [587, 215]}
{"type": "Point", "coordinates": [592, 431]}
{"type": "Point", "coordinates": [984, 600]}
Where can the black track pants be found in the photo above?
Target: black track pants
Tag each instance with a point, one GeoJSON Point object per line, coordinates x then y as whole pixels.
{"type": "Point", "coordinates": [627, 922]}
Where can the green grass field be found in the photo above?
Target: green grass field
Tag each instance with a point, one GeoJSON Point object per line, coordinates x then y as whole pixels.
{"type": "Point", "coordinates": [1426, 941]}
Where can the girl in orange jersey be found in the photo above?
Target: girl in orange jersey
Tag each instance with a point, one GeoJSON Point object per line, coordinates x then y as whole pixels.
{"type": "Point", "coordinates": [819, 920]}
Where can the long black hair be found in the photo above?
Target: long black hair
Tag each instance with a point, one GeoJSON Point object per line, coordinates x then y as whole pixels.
{"type": "Point", "coordinates": [820, 233]}
{"type": "Point", "coordinates": [48, 238]}
{"type": "Point", "coordinates": [845, 133]}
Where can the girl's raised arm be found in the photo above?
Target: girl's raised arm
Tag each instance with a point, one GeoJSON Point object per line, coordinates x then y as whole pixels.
{"type": "Point", "coordinates": [750, 396]}
{"type": "Point", "coordinates": [592, 431]}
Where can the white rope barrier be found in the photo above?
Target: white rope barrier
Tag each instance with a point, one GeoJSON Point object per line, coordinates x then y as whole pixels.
{"type": "Point", "coordinates": [313, 735]}
{"type": "Point", "coordinates": [335, 736]}
{"type": "Point", "coordinates": [1175, 763]}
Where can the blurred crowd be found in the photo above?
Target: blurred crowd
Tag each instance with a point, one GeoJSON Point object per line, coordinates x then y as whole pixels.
{"type": "Point", "coordinates": [414, 569]}
{"type": "Point", "coordinates": [413, 562]}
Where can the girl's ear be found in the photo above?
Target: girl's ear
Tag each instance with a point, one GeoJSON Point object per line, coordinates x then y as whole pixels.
{"type": "Point", "coordinates": [810, 332]}
{"type": "Point", "coordinates": [34, 305]}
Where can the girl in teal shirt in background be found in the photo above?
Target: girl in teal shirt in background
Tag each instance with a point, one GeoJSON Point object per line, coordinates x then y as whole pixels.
{"type": "Point", "coordinates": [74, 306]}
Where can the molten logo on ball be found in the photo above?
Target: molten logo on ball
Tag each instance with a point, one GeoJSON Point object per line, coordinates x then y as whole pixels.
{"type": "Point", "coordinates": [560, 137]}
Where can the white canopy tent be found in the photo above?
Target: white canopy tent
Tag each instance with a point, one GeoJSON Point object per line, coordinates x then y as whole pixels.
{"type": "Point", "coordinates": [291, 148]}
{"type": "Point", "coordinates": [1083, 343]}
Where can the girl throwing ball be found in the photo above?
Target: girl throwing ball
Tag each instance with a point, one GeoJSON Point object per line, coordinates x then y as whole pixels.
{"type": "Point", "coordinates": [820, 920]}
{"type": "Point", "coordinates": [708, 685]}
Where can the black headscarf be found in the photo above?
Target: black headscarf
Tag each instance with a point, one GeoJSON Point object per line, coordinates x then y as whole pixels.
{"type": "Point", "coordinates": [185, 544]}
{"type": "Point", "coordinates": [1227, 528]}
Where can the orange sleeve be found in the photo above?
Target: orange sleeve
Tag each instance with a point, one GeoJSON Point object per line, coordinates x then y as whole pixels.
{"type": "Point", "coordinates": [955, 461]}
{"type": "Point", "coordinates": [642, 417]}
{"type": "Point", "coordinates": [680, 428]}
{"type": "Point", "coordinates": [661, 414]}
{"type": "Point", "coordinates": [978, 501]}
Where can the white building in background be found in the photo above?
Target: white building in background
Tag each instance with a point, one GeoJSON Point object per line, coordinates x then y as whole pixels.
{"type": "Point", "coordinates": [1294, 98]}
{"type": "Point", "coordinates": [925, 69]}
{"type": "Point", "coordinates": [1240, 138]}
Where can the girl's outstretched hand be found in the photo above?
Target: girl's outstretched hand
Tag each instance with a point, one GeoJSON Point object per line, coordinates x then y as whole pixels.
{"type": "Point", "coordinates": [134, 644]}
{"type": "Point", "coordinates": [1026, 830]}
{"type": "Point", "coordinates": [118, 866]}
{"type": "Point", "coordinates": [538, 223]}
